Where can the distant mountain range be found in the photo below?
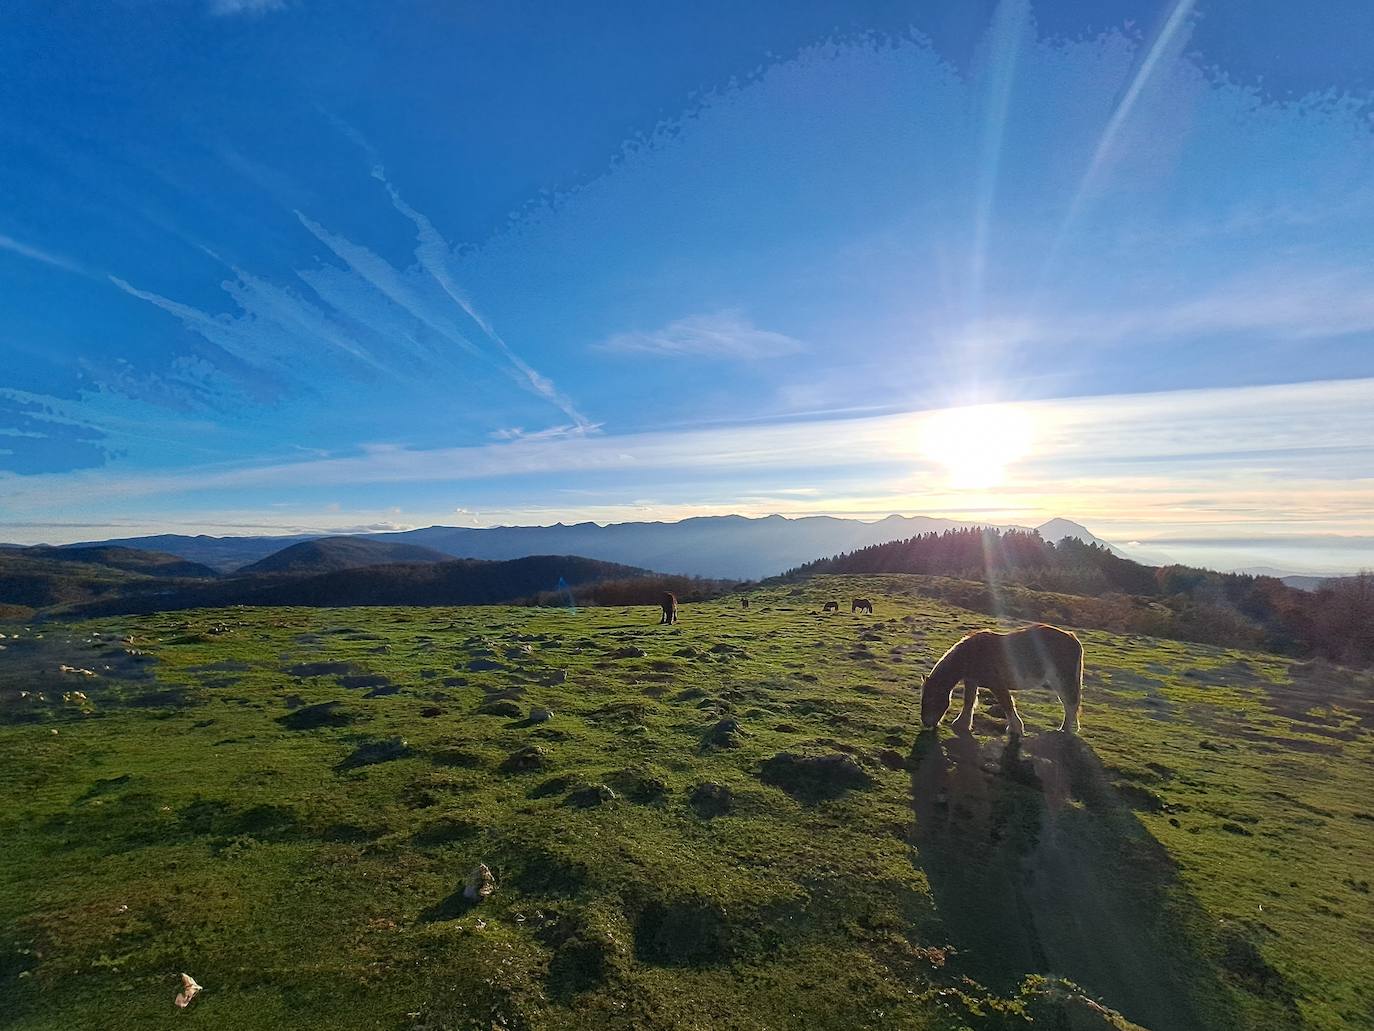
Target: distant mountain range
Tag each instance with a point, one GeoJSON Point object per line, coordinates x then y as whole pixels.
{"type": "Point", "coordinates": [729, 547]}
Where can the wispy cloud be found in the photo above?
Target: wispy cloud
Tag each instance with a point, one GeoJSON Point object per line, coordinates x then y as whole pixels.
{"type": "Point", "coordinates": [1217, 446]}
{"type": "Point", "coordinates": [723, 334]}
{"type": "Point", "coordinates": [226, 8]}
{"type": "Point", "coordinates": [435, 256]}
{"type": "Point", "coordinates": [24, 250]}
{"type": "Point", "coordinates": [1298, 303]}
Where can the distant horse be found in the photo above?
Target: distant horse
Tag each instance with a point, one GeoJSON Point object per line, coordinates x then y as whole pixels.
{"type": "Point", "coordinates": [1006, 662]}
{"type": "Point", "coordinates": [669, 604]}
{"type": "Point", "coordinates": [744, 603]}
{"type": "Point", "coordinates": [861, 605]}
{"type": "Point", "coordinates": [831, 606]}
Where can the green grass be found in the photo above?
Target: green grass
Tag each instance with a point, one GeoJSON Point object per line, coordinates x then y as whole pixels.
{"type": "Point", "coordinates": [1199, 859]}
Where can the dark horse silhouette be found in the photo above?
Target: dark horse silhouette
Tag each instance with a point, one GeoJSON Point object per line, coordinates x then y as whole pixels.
{"type": "Point", "coordinates": [669, 604]}
{"type": "Point", "coordinates": [861, 605]}
{"type": "Point", "coordinates": [1003, 663]}
{"type": "Point", "coordinates": [744, 603]}
{"type": "Point", "coordinates": [831, 606]}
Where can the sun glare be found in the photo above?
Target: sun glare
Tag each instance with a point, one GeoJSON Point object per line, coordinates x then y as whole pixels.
{"type": "Point", "coordinates": [976, 445]}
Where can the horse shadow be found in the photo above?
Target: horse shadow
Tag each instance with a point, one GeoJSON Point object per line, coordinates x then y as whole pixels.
{"type": "Point", "coordinates": [1037, 866]}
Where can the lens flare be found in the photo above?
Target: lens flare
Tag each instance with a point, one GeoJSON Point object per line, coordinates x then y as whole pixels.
{"type": "Point", "coordinates": [975, 445]}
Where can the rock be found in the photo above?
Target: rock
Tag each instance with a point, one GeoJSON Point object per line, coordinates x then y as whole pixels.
{"type": "Point", "coordinates": [811, 778]}
{"type": "Point", "coordinates": [188, 993]}
{"type": "Point", "coordinates": [483, 666]}
{"type": "Point", "coordinates": [555, 676]}
{"type": "Point", "coordinates": [479, 883]}
{"type": "Point", "coordinates": [688, 653]}
{"type": "Point", "coordinates": [519, 651]}
{"type": "Point", "coordinates": [590, 796]}
{"type": "Point", "coordinates": [540, 715]}
{"type": "Point", "coordinates": [431, 711]}
{"type": "Point", "coordinates": [629, 652]}
{"type": "Point", "coordinates": [710, 799]}
{"type": "Point", "coordinates": [500, 708]}
{"type": "Point", "coordinates": [524, 760]}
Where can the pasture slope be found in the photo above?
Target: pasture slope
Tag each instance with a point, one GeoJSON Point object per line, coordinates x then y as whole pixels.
{"type": "Point", "coordinates": [727, 823]}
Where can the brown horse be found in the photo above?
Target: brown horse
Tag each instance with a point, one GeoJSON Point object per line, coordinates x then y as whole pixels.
{"type": "Point", "coordinates": [861, 605]}
{"type": "Point", "coordinates": [669, 604]}
{"type": "Point", "coordinates": [1006, 662]}
{"type": "Point", "coordinates": [831, 606]}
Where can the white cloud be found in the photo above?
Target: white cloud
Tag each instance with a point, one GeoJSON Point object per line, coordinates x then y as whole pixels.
{"type": "Point", "coordinates": [24, 250]}
{"type": "Point", "coordinates": [223, 8]}
{"type": "Point", "coordinates": [724, 334]}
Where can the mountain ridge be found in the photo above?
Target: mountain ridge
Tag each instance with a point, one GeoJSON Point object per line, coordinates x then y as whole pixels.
{"type": "Point", "coordinates": [727, 547]}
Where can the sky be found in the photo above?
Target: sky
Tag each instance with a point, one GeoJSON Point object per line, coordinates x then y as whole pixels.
{"type": "Point", "coordinates": [277, 266]}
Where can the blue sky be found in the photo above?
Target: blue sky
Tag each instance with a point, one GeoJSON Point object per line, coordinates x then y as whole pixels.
{"type": "Point", "coordinates": [277, 266]}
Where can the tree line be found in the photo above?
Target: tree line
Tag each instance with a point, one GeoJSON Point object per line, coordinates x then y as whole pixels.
{"type": "Point", "coordinates": [1019, 573]}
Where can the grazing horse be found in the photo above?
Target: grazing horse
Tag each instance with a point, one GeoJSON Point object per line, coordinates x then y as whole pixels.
{"type": "Point", "coordinates": [669, 603]}
{"type": "Point", "coordinates": [861, 605]}
{"type": "Point", "coordinates": [831, 606]}
{"type": "Point", "coordinates": [744, 603]}
{"type": "Point", "coordinates": [1005, 662]}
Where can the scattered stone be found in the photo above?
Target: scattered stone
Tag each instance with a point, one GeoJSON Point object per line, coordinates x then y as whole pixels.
{"type": "Point", "coordinates": [590, 796]}
{"type": "Point", "coordinates": [555, 676]}
{"type": "Point", "coordinates": [188, 993]}
{"type": "Point", "coordinates": [76, 670]}
{"type": "Point", "coordinates": [500, 708]}
{"type": "Point", "coordinates": [539, 714]}
{"type": "Point", "coordinates": [688, 653]}
{"type": "Point", "coordinates": [519, 651]}
{"type": "Point", "coordinates": [483, 666]}
{"type": "Point", "coordinates": [430, 711]}
{"type": "Point", "coordinates": [525, 760]}
{"type": "Point", "coordinates": [710, 799]}
{"type": "Point", "coordinates": [479, 884]}
{"type": "Point", "coordinates": [629, 652]}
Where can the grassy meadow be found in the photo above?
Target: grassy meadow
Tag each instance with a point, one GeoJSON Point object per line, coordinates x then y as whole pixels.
{"type": "Point", "coordinates": [728, 823]}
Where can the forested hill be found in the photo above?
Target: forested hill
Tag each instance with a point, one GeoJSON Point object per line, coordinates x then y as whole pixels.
{"type": "Point", "coordinates": [457, 582]}
{"type": "Point", "coordinates": [1336, 621]}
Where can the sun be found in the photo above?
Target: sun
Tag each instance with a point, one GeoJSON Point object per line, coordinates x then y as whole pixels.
{"type": "Point", "coordinates": [976, 444]}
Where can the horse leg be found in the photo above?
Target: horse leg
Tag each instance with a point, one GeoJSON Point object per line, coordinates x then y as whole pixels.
{"type": "Point", "coordinates": [1016, 727]}
{"type": "Point", "coordinates": [1071, 694]}
{"type": "Point", "coordinates": [964, 722]}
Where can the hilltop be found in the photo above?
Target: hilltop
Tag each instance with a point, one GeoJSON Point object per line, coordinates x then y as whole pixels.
{"type": "Point", "coordinates": [727, 823]}
{"type": "Point", "coordinates": [333, 554]}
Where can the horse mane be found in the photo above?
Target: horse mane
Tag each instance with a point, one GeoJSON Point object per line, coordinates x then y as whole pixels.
{"type": "Point", "coordinates": [950, 669]}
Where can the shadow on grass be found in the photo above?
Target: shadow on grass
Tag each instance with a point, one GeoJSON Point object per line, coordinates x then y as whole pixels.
{"type": "Point", "coordinates": [1037, 866]}
{"type": "Point", "coordinates": [451, 908]}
